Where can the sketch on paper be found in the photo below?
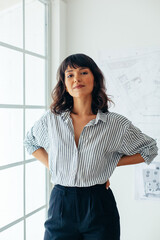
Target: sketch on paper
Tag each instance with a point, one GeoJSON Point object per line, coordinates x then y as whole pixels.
{"type": "Point", "coordinates": [132, 76]}
{"type": "Point", "coordinates": [151, 181]}
{"type": "Point", "coordinates": [148, 179]}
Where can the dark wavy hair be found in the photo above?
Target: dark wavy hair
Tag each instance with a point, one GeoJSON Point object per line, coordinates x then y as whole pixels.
{"type": "Point", "coordinates": [63, 101]}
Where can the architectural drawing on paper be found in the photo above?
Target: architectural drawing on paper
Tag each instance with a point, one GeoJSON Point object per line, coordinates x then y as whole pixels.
{"type": "Point", "coordinates": [151, 180]}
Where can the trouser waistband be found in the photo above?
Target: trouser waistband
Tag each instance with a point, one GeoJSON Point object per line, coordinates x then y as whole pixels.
{"type": "Point", "coordinates": [94, 188]}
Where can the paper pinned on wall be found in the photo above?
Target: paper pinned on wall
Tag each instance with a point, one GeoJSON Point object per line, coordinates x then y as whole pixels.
{"type": "Point", "coordinates": [147, 181]}
{"type": "Point", "coordinates": [133, 77]}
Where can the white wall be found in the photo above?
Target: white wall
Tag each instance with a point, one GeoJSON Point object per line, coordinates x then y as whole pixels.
{"type": "Point", "coordinates": [93, 25]}
{"type": "Point", "coordinates": [99, 24]}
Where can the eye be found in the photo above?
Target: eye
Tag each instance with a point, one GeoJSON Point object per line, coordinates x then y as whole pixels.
{"type": "Point", "coordinates": [84, 73]}
{"type": "Point", "coordinates": [69, 76]}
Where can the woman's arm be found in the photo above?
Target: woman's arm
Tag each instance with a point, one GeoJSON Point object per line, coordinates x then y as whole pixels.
{"type": "Point", "coordinates": [42, 156]}
{"type": "Point", "coordinates": [128, 160]}
{"type": "Point", "coordinates": [137, 147]}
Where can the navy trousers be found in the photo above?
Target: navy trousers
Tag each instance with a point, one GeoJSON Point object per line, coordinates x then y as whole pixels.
{"type": "Point", "coordinates": [82, 213]}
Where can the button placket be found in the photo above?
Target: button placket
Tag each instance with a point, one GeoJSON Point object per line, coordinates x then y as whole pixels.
{"type": "Point", "coordinates": [74, 170]}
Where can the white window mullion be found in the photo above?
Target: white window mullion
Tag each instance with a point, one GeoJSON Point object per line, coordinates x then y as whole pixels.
{"type": "Point", "coordinates": [41, 60]}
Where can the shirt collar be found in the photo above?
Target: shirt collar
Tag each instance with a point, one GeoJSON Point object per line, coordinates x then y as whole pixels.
{"type": "Point", "coordinates": [65, 115]}
{"type": "Point", "coordinates": [100, 116]}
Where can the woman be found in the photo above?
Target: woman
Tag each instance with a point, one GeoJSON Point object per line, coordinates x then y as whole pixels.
{"type": "Point", "coordinates": [82, 143]}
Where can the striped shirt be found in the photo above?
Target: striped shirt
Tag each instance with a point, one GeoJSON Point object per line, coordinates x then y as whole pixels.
{"type": "Point", "coordinates": [103, 141]}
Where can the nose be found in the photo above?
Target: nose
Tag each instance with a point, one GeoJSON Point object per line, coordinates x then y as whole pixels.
{"type": "Point", "coordinates": [77, 77]}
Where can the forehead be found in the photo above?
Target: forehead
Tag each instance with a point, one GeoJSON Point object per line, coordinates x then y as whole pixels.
{"type": "Point", "coordinates": [71, 69]}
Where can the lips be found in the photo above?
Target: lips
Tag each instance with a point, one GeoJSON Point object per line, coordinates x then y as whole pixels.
{"type": "Point", "coordinates": [78, 86]}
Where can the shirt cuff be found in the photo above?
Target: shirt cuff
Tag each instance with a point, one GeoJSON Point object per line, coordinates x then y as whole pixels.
{"type": "Point", "coordinates": [149, 153]}
{"type": "Point", "coordinates": [32, 149]}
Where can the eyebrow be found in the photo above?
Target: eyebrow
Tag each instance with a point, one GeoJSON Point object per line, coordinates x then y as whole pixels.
{"type": "Point", "coordinates": [79, 69]}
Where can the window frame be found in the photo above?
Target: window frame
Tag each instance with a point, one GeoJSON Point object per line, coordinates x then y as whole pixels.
{"type": "Point", "coordinates": [47, 58]}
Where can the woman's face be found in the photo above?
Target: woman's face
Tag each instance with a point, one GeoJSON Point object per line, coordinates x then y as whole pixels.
{"type": "Point", "coordinates": [79, 81]}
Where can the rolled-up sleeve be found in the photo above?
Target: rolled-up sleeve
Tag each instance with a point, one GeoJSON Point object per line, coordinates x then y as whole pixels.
{"type": "Point", "coordinates": [37, 136]}
{"type": "Point", "coordinates": [135, 141]}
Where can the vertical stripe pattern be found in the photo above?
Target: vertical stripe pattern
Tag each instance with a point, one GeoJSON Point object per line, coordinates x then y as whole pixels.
{"type": "Point", "coordinates": [102, 143]}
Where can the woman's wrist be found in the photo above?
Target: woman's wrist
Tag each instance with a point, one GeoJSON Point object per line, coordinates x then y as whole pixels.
{"type": "Point", "coordinates": [42, 156]}
{"type": "Point", "coordinates": [128, 160]}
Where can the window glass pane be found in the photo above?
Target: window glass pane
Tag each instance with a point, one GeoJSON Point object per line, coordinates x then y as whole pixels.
{"type": "Point", "coordinates": [35, 81]}
{"type": "Point", "coordinates": [35, 186]}
{"type": "Point", "coordinates": [35, 26]}
{"type": "Point", "coordinates": [35, 226]}
{"type": "Point", "coordinates": [15, 232]}
{"type": "Point", "coordinates": [11, 200]}
{"type": "Point", "coordinates": [32, 115]}
{"type": "Point", "coordinates": [11, 22]}
{"type": "Point", "coordinates": [11, 136]}
{"type": "Point", "coordinates": [11, 76]}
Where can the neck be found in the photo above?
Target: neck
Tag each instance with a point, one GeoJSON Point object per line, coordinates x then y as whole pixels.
{"type": "Point", "coordinates": [82, 106]}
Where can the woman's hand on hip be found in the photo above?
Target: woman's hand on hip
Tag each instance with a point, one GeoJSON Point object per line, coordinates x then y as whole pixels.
{"type": "Point", "coordinates": [107, 184]}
